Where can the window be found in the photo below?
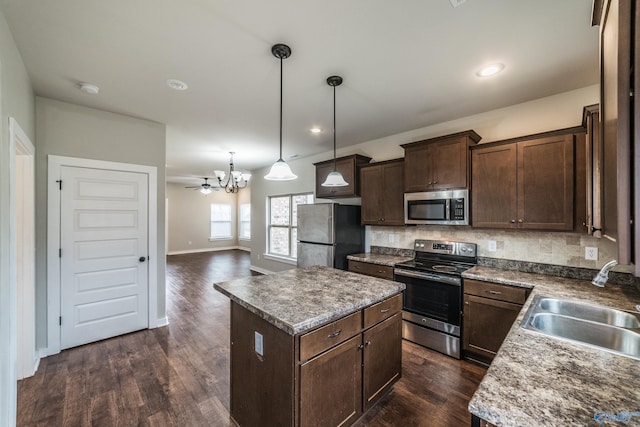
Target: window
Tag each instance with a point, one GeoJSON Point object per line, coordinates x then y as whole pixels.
{"type": "Point", "coordinates": [245, 221]}
{"type": "Point", "coordinates": [220, 221]}
{"type": "Point", "coordinates": [282, 228]}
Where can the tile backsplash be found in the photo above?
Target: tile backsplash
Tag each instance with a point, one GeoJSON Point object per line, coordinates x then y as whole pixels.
{"type": "Point", "coordinates": [566, 249]}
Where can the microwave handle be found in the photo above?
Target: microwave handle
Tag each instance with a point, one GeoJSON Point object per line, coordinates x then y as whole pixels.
{"type": "Point", "coordinates": [447, 209]}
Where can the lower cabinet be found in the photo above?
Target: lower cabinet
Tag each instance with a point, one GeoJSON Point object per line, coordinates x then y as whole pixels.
{"type": "Point", "coordinates": [329, 376]}
{"type": "Point", "coordinates": [339, 385]}
{"type": "Point", "coordinates": [489, 311]}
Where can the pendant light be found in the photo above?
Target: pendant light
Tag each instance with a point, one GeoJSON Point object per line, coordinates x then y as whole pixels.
{"type": "Point", "coordinates": [280, 171]}
{"type": "Point", "coordinates": [334, 179]}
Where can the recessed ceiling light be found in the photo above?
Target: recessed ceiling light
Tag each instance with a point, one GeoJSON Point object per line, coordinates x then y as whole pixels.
{"type": "Point", "coordinates": [490, 70]}
{"type": "Point", "coordinates": [315, 130]}
{"type": "Point", "coordinates": [89, 88]}
{"type": "Point", "coordinates": [177, 84]}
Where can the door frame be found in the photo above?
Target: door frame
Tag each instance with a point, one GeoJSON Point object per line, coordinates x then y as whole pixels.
{"type": "Point", "coordinates": [23, 245]}
{"type": "Point", "coordinates": [55, 163]}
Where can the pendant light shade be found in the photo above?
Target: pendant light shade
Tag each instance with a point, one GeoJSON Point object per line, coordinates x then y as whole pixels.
{"type": "Point", "coordinates": [280, 171]}
{"type": "Point", "coordinates": [335, 178]}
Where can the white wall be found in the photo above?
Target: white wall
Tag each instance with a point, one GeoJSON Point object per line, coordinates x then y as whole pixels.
{"type": "Point", "coordinates": [65, 129]}
{"type": "Point", "coordinates": [189, 219]}
{"type": "Point", "coordinates": [16, 100]}
{"type": "Point", "coordinates": [555, 112]}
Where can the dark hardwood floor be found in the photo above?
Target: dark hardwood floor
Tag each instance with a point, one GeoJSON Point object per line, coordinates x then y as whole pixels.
{"type": "Point", "coordinates": [178, 375]}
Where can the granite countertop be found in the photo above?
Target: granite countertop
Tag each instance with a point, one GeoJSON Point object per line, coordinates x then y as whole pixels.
{"type": "Point", "coordinates": [537, 380]}
{"type": "Point", "coordinates": [388, 260]}
{"type": "Point", "coordinates": [301, 299]}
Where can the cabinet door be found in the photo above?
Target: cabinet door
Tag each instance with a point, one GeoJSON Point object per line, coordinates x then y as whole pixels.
{"type": "Point", "coordinates": [331, 386]}
{"type": "Point", "coordinates": [382, 364]}
{"type": "Point", "coordinates": [392, 200]}
{"type": "Point", "coordinates": [417, 169]}
{"type": "Point", "coordinates": [486, 324]}
{"type": "Point", "coordinates": [449, 164]}
{"type": "Point", "coordinates": [493, 179]}
{"type": "Point", "coordinates": [347, 168]}
{"type": "Point", "coordinates": [372, 194]}
{"type": "Point", "coordinates": [545, 183]}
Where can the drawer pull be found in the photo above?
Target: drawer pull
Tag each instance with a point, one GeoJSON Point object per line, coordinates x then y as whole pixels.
{"type": "Point", "coordinates": [495, 292]}
{"type": "Point", "coordinates": [335, 334]}
{"type": "Point", "coordinates": [367, 343]}
{"type": "Point", "coordinates": [384, 310]}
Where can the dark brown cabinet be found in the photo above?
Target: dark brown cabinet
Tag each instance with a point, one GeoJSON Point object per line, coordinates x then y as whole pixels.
{"type": "Point", "coordinates": [370, 269]}
{"type": "Point", "coordinates": [382, 188]}
{"type": "Point", "coordinates": [382, 358]}
{"type": "Point", "coordinates": [328, 376]}
{"type": "Point", "coordinates": [438, 163]}
{"type": "Point", "coordinates": [489, 311]}
{"type": "Point", "coordinates": [349, 167]}
{"type": "Point", "coordinates": [528, 183]}
{"type": "Point", "coordinates": [331, 392]}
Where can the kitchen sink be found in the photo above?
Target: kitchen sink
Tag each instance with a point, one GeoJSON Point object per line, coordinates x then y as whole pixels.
{"type": "Point", "coordinates": [594, 313]}
{"type": "Point", "coordinates": [599, 327]}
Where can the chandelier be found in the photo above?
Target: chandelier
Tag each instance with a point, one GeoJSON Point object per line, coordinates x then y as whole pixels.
{"type": "Point", "coordinates": [235, 180]}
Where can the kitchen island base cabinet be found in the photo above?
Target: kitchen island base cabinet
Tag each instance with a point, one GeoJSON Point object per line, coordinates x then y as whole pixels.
{"type": "Point", "coordinates": [328, 376]}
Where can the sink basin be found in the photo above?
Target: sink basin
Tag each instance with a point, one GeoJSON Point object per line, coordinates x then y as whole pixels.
{"type": "Point", "coordinates": [594, 313]}
{"type": "Point", "coordinates": [604, 328]}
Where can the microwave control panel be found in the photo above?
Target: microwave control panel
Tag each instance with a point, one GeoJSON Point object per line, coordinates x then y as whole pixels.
{"type": "Point", "coordinates": [457, 209]}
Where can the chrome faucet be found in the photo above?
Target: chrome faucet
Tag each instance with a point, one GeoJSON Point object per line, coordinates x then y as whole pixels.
{"type": "Point", "coordinates": [603, 274]}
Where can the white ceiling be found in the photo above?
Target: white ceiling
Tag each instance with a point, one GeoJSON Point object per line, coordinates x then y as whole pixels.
{"type": "Point", "coordinates": [406, 64]}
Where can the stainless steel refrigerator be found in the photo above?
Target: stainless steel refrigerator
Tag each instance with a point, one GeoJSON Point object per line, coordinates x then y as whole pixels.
{"type": "Point", "coordinates": [327, 233]}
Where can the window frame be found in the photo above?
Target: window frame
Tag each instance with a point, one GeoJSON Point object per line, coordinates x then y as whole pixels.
{"type": "Point", "coordinates": [292, 253]}
{"type": "Point", "coordinates": [211, 221]}
{"type": "Point", "coordinates": [241, 222]}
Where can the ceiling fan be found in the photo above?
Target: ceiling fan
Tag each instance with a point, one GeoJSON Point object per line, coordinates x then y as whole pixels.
{"type": "Point", "coordinates": [205, 187]}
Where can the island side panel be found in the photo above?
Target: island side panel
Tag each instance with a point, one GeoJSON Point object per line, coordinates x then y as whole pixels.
{"type": "Point", "coordinates": [262, 387]}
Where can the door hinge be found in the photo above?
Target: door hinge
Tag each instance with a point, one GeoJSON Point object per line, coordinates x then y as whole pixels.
{"type": "Point", "coordinates": [60, 320]}
{"type": "Point", "coordinates": [60, 253]}
{"type": "Point", "coordinates": [59, 181]}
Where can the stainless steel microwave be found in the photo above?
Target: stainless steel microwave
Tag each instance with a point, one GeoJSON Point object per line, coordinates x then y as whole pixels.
{"type": "Point", "coordinates": [449, 207]}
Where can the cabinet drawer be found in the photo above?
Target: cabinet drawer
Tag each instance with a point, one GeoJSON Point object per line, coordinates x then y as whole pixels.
{"type": "Point", "coordinates": [334, 333]}
{"type": "Point", "coordinates": [496, 291]}
{"type": "Point", "coordinates": [375, 270]}
{"type": "Point", "coordinates": [382, 310]}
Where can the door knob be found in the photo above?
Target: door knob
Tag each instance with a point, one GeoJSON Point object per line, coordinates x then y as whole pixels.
{"type": "Point", "coordinates": [142, 259]}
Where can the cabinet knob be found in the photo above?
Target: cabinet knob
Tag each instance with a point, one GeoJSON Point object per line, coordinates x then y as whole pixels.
{"type": "Point", "coordinates": [520, 220]}
{"type": "Point", "coordinates": [382, 219]}
{"type": "Point", "coordinates": [430, 183]}
{"type": "Point", "coordinates": [360, 347]}
{"type": "Point", "coordinates": [367, 343]}
{"type": "Point", "coordinates": [435, 182]}
{"type": "Point", "coordinates": [513, 221]}
{"type": "Point", "coordinates": [466, 303]}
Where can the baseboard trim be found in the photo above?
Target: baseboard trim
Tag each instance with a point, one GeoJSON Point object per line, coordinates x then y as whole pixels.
{"type": "Point", "coordinates": [221, 248]}
{"type": "Point", "coordinates": [163, 321]}
{"type": "Point", "coordinates": [260, 270]}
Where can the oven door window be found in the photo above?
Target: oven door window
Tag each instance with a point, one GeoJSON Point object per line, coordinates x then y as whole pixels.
{"type": "Point", "coordinates": [430, 210]}
{"type": "Point", "coordinates": [432, 299]}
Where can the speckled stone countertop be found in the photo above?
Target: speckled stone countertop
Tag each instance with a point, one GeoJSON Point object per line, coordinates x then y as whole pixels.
{"type": "Point", "coordinates": [537, 380]}
{"type": "Point", "coordinates": [380, 259]}
{"type": "Point", "coordinates": [301, 299]}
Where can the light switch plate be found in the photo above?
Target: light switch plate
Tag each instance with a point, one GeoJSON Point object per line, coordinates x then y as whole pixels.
{"type": "Point", "coordinates": [492, 246]}
{"type": "Point", "coordinates": [591, 253]}
{"type": "Point", "coordinates": [258, 343]}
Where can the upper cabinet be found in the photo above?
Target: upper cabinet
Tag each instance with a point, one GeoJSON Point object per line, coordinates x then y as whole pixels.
{"type": "Point", "coordinates": [438, 163]}
{"type": "Point", "coordinates": [349, 167]}
{"type": "Point", "coordinates": [618, 21]}
{"type": "Point", "coordinates": [528, 183]}
{"type": "Point", "coordinates": [382, 193]}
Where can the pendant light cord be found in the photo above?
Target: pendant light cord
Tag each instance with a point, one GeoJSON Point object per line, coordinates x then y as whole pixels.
{"type": "Point", "coordinates": [334, 128]}
{"type": "Point", "coordinates": [280, 110]}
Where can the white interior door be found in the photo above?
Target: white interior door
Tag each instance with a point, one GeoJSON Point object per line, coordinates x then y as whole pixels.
{"type": "Point", "coordinates": [104, 253]}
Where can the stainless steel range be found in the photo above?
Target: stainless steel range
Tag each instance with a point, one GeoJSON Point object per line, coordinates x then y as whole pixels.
{"type": "Point", "coordinates": [432, 301]}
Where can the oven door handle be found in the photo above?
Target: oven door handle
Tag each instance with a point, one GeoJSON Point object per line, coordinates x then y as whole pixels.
{"type": "Point", "coordinates": [426, 276]}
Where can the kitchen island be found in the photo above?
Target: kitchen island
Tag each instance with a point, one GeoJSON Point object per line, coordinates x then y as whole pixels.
{"type": "Point", "coordinates": [312, 346]}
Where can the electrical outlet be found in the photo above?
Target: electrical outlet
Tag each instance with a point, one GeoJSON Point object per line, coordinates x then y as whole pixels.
{"type": "Point", "coordinates": [392, 238]}
{"type": "Point", "coordinates": [493, 246]}
{"type": "Point", "coordinates": [591, 253]}
{"type": "Point", "coordinates": [259, 343]}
